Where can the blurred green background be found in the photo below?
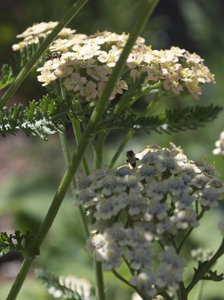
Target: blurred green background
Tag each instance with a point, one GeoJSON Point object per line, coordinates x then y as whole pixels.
{"type": "Point", "coordinates": [30, 169]}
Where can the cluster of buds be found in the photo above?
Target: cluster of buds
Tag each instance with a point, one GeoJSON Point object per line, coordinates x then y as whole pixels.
{"type": "Point", "coordinates": [152, 199]}
{"type": "Point", "coordinates": [85, 63]}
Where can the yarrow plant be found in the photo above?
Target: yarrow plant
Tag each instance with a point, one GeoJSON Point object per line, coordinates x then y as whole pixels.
{"type": "Point", "coordinates": [142, 212]}
{"type": "Point", "coordinates": [137, 208]}
{"type": "Point", "coordinates": [86, 63]}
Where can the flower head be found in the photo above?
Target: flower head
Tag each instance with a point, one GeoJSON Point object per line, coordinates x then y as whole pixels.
{"type": "Point", "coordinates": [93, 57]}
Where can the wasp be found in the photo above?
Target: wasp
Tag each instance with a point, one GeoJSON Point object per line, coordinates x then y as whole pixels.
{"type": "Point", "coordinates": [52, 56]}
{"type": "Point", "coordinates": [131, 158]}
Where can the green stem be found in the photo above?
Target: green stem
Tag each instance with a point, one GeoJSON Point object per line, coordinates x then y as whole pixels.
{"type": "Point", "coordinates": [199, 292]}
{"type": "Point", "coordinates": [20, 278]}
{"type": "Point", "coordinates": [152, 105]}
{"type": "Point", "coordinates": [147, 111]}
{"type": "Point", "coordinates": [39, 52]}
{"type": "Point", "coordinates": [182, 292]}
{"type": "Point", "coordinates": [99, 280]}
{"type": "Point", "coordinates": [121, 148]}
{"type": "Point", "coordinates": [65, 150]}
{"type": "Point", "coordinates": [207, 267]}
{"type": "Point", "coordinates": [98, 150]}
{"type": "Point", "coordinates": [81, 214]}
{"type": "Point", "coordinates": [184, 239]}
{"type": "Point", "coordinates": [87, 137]}
{"type": "Point", "coordinates": [132, 286]}
{"type": "Point", "coordinates": [189, 231]}
{"type": "Point", "coordinates": [165, 296]}
{"type": "Point", "coordinates": [78, 136]}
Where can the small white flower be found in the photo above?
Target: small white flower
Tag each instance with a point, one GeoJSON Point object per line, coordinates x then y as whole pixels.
{"type": "Point", "coordinates": [157, 190]}
{"type": "Point", "coordinates": [140, 257]}
{"type": "Point", "coordinates": [138, 237]}
{"type": "Point", "coordinates": [209, 197]}
{"type": "Point", "coordinates": [89, 91]}
{"type": "Point", "coordinates": [183, 219]}
{"type": "Point", "coordinates": [210, 170]}
{"type": "Point", "coordinates": [75, 82]}
{"type": "Point", "coordinates": [201, 254]}
{"type": "Point", "coordinates": [46, 76]}
{"type": "Point", "coordinates": [193, 88]}
{"type": "Point", "coordinates": [172, 258]}
{"type": "Point", "coordinates": [165, 227]}
{"type": "Point", "coordinates": [156, 209]}
{"type": "Point", "coordinates": [116, 234]}
{"type": "Point", "coordinates": [200, 181]}
{"type": "Point", "coordinates": [111, 256]}
{"type": "Point", "coordinates": [150, 157]}
{"type": "Point", "coordinates": [95, 242]}
{"type": "Point", "coordinates": [167, 276]}
{"type": "Point", "coordinates": [147, 172]}
{"type": "Point", "coordinates": [167, 163]}
{"type": "Point", "coordinates": [177, 186]}
{"type": "Point", "coordinates": [182, 201]}
{"type": "Point", "coordinates": [145, 282]}
{"type": "Point", "coordinates": [106, 208]}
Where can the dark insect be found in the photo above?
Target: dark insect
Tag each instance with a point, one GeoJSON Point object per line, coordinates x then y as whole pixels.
{"type": "Point", "coordinates": [52, 56]}
{"type": "Point", "coordinates": [131, 158]}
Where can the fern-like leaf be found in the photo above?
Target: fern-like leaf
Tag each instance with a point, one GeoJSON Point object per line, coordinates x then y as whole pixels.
{"type": "Point", "coordinates": [17, 242]}
{"type": "Point", "coordinates": [11, 70]}
{"type": "Point", "coordinates": [210, 274]}
{"type": "Point", "coordinates": [63, 287]}
{"type": "Point", "coordinates": [39, 119]}
{"type": "Point", "coordinates": [168, 121]}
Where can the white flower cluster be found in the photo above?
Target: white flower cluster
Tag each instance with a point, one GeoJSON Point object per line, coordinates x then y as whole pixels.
{"type": "Point", "coordinates": [201, 254]}
{"type": "Point", "coordinates": [86, 63]}
{"type": "Point", "coordinates": [165, 194]}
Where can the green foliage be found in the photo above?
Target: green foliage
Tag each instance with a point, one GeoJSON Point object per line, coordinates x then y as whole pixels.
{"type": "Point", "coordinates": [7, 243]}
{"type": "Point", "coordinates": [211, 275]}
{"type": "Point", "coordinates": [11, 70]}
{"type": "Point", "coordinates": [39, 119]}
{"type": "Point", "coordinates": [169, 121]}
{"type": "Point", "coordinates": [51, 281]}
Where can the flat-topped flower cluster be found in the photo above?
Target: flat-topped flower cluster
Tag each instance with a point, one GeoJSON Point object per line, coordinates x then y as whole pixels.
{"type": "Point", "coordinates": [134, 208]}
{"type": "Point", "coordinates": [86, 63]}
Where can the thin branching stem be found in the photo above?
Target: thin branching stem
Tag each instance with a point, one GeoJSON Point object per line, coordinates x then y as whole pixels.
{"type": "Point", "coordinates": [126, 282]}
{"type": "Point", "coordinates": [157, 99]}
{"type": "Point", "coordinates": [206, 267]}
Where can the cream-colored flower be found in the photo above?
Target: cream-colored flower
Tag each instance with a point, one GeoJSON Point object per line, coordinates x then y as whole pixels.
{"type": "Point", "coordinates": [171, 82]}
{"type": "Point", "coordinates": [89, 91]}
{"type": "Point", "coordinates": [63, 71]}
{"type": "Point", "coordinates": [74, 82]}
{"type": "Point", "coordinates": [193, 88]}
{"type": "Point", "coordinates": [46, 76]}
